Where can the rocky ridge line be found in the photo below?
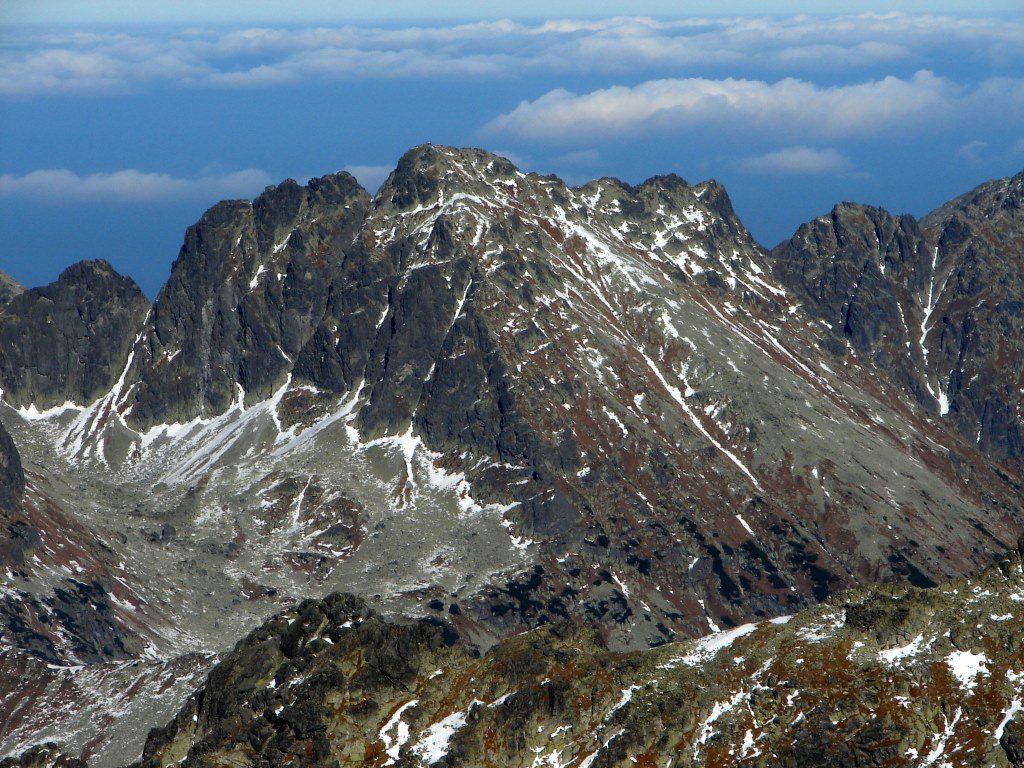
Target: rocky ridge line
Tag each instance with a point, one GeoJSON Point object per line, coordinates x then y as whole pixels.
{"type": "Point", "coordinates": [887, 676]}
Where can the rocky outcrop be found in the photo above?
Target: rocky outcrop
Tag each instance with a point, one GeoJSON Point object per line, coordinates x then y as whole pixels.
{"type": "Point", "coordinates": [43, 756]}
{"type": "Point", "coordinates": [976, 333]}
{"type": "Point", "coordinates": [248, 289]}
{"type": "Point", "coordinates": [934, 305]}
{"type": "Point", "coordinates": [880, 677]}
{"type": "Point", "coordinates": [12, 477]}
{"type": "Point", "coordinates": [69, 340]}
{"type": "Point", "coordinates": [19, 538]}
{"type": "Point", "coordinates": [67, 621]}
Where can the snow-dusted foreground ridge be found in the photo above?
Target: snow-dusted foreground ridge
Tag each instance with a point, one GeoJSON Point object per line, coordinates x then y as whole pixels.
{"type": "Point", "coordinates": [836, 685]}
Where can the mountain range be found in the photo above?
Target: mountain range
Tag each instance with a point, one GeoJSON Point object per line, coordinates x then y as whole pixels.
{"type": "Point", "coordinates": [491, 423]}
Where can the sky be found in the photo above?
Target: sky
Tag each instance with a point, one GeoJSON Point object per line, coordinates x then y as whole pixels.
{"type": "Point", "coordinates": [120, 126]}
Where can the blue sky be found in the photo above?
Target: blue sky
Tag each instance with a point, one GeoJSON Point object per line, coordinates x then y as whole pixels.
{"type": "Point", "coordinates": [118, 129]}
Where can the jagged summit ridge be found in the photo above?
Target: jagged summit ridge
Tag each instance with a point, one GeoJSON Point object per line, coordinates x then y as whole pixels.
{"type": "Point", "coordinates": [867, 274]}
{"type": "Point", "coordinates": [249, 286]}
{"type": "Point", "coordinates": [928, 302]}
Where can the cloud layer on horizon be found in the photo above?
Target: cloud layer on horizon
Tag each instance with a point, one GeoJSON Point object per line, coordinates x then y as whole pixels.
{"type": "Point", "coordinates": [110, 61]}
{"type": "Point", "coordinates": [762, 95]}
{"type": "Point", "coordinates": [128, 186]}
{"type": "Point", "coordinates": [788, 108]}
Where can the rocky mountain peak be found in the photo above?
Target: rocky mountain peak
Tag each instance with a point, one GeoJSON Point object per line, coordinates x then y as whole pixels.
{"type": "Point", "coordinates": [977, 309]}
{"type": "Point", "coordinates": [988, 200]}
{"type": "Point", "coordinates": [927, 303]}
{"type": "Point", "coordinates": [428, 171]}
{"type": "Point", "coordinates": [866, 273]}
{"type": "Point", "coordinates": [279, 209]}
{"type": "Point", "coordinates": [248, 288]}
{"type": "Point", "coordinates": [69, 340]}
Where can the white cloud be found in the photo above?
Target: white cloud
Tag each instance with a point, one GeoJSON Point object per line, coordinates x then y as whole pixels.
{"type": "Point", "coordinates": [370, 176]}
{"type": "Point", "coordinates": [578, 157]}
{"type": "Point", "coordinates": [840, 56]}
{"type": "Point", "coordinates": [790, 107]}
{"type": "Point", "coordinates": [128, 185]}
{"type": "Point", "coordinates": [972, 151]}
{"type": "Point", "coordinates": [260, 57]}
{"type": "Point", "coordinates": [796, 161]}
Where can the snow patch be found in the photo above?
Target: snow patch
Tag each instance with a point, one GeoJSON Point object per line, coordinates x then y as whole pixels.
{"type": "Point", "coordinates": [894, 656]}
{"type": "Point", "coordinates": [966, 666]}
{"type": "Point", "coordinates": [393, 743]}
{"type": "Point", "coordinates": [708, 647]}
{"type": "Point", "coordinates": [433, 745]}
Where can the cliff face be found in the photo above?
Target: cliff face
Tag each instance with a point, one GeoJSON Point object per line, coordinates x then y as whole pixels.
{"type": "Point", "coordinates": [866, 274]}
{"type": "Point", "coordinates": [248, 288]}
{"type": "Point", "coordinates": [69, 340]}
{"type": "Point", "coordinates": [979, 315]}
{"type": "Point", "coordinates": [935, 304]}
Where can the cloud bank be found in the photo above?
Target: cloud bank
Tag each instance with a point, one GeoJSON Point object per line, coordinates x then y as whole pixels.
{"type": "Point", "coordinates": [128, 186]}
{"type": "Point", "coordinates": [797, 161]}
{"type": "Point", "coordinates": [788, 107]}
{"type": "Point", "coordinates": [33, 63]}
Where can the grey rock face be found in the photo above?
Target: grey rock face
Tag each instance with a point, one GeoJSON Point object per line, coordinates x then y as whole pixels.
{"type": "Point", "coordinates": [69, 340]}
{"type": "Point", "coordinates": [248, 289]}
{"type": "Point", "coordinates": [977, 334]}
{"type": "Point", "coordinates": [12, 477]}
{"type": "Point", "coordinates": [936, 305]}
{"type": "Point", "coordinates": [864, 271]}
